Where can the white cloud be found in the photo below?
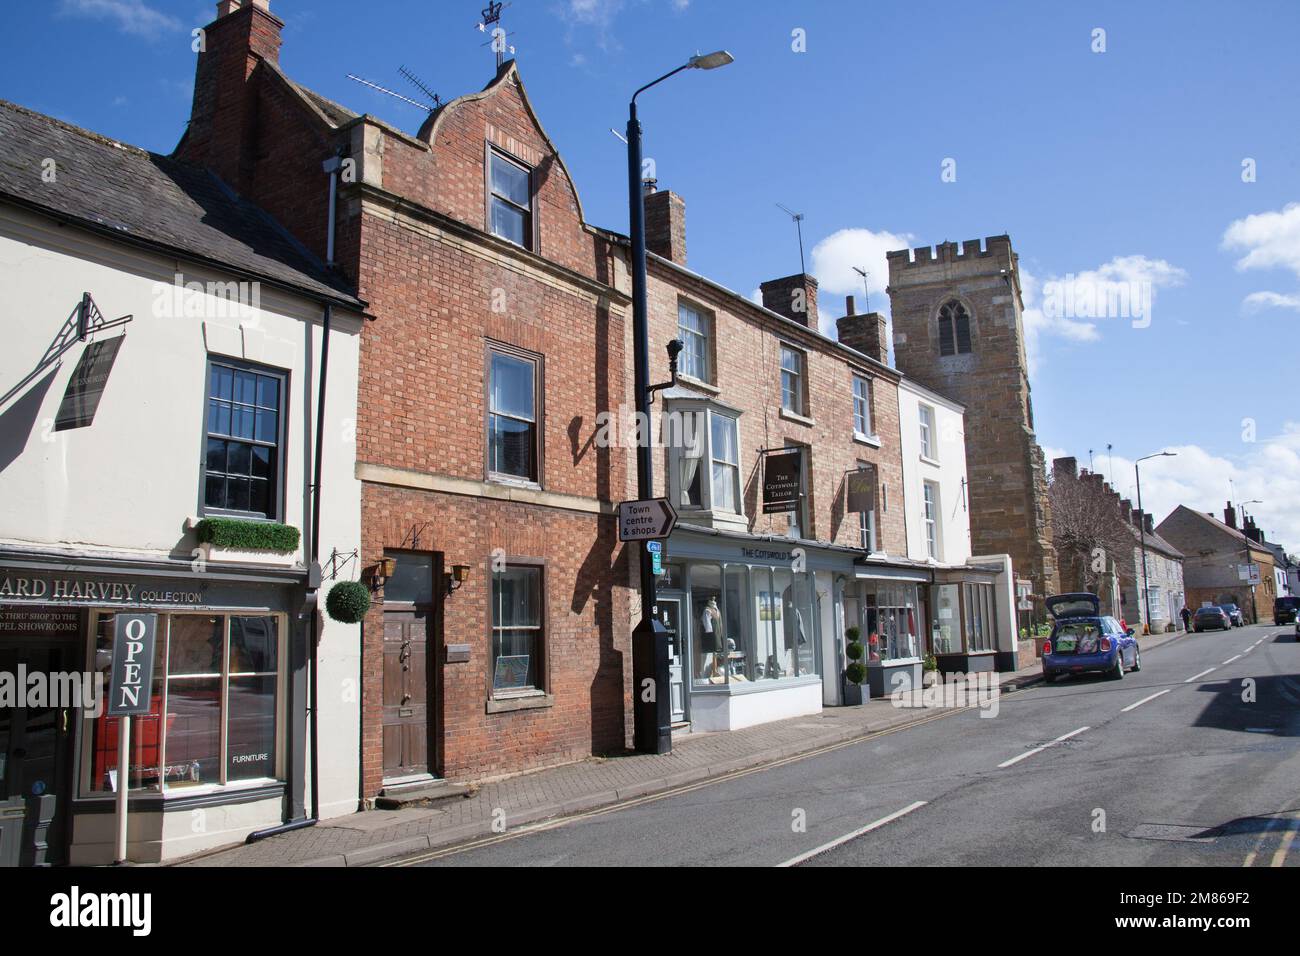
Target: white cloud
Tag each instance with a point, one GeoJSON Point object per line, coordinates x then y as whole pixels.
{"type": "Point", "coordinates": [1258, 301]}
{"type": "Point", "coordinates": [132, 16]}
{"type": "Point", "coordinates": [834, 259]}
{"type": "Point", "coordinates": [1267, 469]}
{"type": "Point", "coordinates": [1269, 239]}
{"type": "Point", "coordinates": [1068, 306]}
{"type": "Point", "coordinates": [833, 262]}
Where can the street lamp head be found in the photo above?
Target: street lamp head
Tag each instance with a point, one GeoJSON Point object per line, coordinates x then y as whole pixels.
{"type": "Point", "coordinates": [711, 61]}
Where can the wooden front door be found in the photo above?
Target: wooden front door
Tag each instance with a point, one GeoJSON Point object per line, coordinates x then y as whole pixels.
{"type": "Point", "coordinates": [408, 694]}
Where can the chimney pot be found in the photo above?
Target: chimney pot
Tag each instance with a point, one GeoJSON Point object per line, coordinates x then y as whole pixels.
{"type": "Point", "coordinates": [850, 307]}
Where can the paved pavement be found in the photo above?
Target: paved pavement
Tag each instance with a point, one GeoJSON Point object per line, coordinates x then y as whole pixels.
{"type": "Point", "coordinates": [530, 799]}
{"type": "Point", "coordinates": [1194, 760]}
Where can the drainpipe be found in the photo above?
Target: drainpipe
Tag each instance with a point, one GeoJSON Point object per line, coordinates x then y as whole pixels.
{"type": "Point", "coordinates": [331, 166]}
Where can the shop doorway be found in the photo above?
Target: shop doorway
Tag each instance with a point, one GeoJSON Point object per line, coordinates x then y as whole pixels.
{"type": "Point", "coordinates": [36, 749]}
{"type": "Point", "coordinates": [670, 612]}
{"type": "Point", "coordinates": [411, 628]}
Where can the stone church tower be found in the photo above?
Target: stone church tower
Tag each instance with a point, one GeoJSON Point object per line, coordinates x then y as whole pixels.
{"type": "Point", "coordinates": [958, 331]}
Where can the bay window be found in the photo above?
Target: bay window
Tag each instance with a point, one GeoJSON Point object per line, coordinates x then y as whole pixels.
{"type": "Point", "coordinates": [704, 459]}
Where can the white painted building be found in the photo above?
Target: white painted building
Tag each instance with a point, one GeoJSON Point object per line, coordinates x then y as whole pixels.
{"type": "Point", "coordinates": [971, 601]}
{"type": "Point", "coordinates": [115, 443]}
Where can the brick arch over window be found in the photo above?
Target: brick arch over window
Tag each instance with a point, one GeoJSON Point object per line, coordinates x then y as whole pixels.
{"type": "Point", "coordinates": [954, 328]}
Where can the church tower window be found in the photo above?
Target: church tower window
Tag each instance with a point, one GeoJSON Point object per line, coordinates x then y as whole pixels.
{"type": "Point", "coordinates": [954, 329]}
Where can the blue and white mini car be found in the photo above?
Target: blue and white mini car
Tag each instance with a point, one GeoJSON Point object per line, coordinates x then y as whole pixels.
{"type": "Point", "coordinates": [1084, 641]}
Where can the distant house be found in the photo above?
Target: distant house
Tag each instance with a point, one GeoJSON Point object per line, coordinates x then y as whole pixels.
{"type": "Point", "coordinates": [1213, 552]}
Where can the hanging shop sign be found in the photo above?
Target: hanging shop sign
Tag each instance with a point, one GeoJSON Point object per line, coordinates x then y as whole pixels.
{"type": "Point", "coordinates": [86, 387]}
{"type": "Point", "coordinates": [861, 494]}
{"type": "Point", "coordinates": [782, 481]}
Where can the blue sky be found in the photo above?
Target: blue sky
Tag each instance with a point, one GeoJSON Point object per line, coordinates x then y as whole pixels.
{"type": "Point", "coordinates": [1120, 165]}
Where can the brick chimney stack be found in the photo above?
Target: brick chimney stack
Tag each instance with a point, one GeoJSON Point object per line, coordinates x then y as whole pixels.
{"type": "Point", "coordinates": [1126, 510]}
{"type": "Point", "coordinates": [1230, 516]}
{"type": "Point", "coordinates": [1148, 523]}
{"type": "Point", "coordinates": [1067, 467]}
{"type": "Point", "coordinates": [794, 296]}
{"type": "Point", "coordinates": [223, 117]}
{"type": "Point", "coordinates": [867, 334]}
{"type": "Point", "coordinates": [665, 224]}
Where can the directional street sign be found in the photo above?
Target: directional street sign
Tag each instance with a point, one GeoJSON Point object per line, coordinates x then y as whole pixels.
{"type": "Point", "coordinates": [645, 520]}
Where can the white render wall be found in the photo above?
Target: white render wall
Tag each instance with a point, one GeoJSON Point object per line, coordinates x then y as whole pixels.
{"type": "Point", "coordinates": [948, 469]}
{"type": "Point", "coordinates": [129, 482]}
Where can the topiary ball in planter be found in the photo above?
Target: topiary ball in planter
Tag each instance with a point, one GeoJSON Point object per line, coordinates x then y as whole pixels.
{"type": "Point", "coordinates": [855, 672]}
{"type": "Point", "coordinates": [853, 651]}
{"type": "Point", "coordinates": [348, 602]}
{"type": "Point", "coordinates": [853, 634]}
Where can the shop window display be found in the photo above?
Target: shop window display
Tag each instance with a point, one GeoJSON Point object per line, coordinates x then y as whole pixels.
{"type": "Point", "coordinates": [890, 612]}
{"type": "Point", "coordinates": [945, 630]}
{"type": "Point", "coordinates": [214, 707]}
{"type": "Point", "coordinates": [751, 624]}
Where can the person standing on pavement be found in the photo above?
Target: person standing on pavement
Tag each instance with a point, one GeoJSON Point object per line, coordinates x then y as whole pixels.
{"type": "Point", "coordinates": [1186, 615]}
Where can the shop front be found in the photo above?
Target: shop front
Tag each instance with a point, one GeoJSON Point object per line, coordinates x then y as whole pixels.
{"type": "Point", "coordinates": [965, 627]}
{"type": "Point", "coordinates": [888, 605]}
{"type": "Point", "coordinates": [216, 756]}
{"type": "Point", "coordinates": [749, 615]}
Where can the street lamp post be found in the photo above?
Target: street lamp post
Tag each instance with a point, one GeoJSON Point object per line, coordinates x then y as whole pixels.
{"type": "Point", "coordinates": [1142, 534]}
{"type": "Point", "coordinates": [1241, 511]}
{"type": "Point", "coordinates": [652, 725]}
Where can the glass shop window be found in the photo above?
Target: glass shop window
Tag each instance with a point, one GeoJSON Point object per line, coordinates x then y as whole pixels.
{"type": "Point", "coordinates": [214, 717]}
{"type": "Point", "coordinates": [891, 623]}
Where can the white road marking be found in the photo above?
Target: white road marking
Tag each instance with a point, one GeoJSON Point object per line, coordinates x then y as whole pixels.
{"type": "Point", "coordinates": [1234, 657]}
{"type": "Point", "coordinates": [1038, 750]}
{"type": "Point", "coordinates": [1209, 670]}
{"type": "Point", "coordinates": [794, 861]}
{"type": "Point", "coordinates": [1144, 700]}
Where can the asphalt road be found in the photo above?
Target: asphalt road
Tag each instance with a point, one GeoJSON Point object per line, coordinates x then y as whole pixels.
{"type": "Point", "coordinates": [1173, 765]}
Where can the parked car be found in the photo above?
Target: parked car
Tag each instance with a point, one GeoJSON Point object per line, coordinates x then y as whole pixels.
{"type": "Point", "coordinates": [1083, 640]}
{"type": "Point", "coordinates": [1234, 614]}
{"type": "Point", "coordinates": [1284, 610]}
{"type": "Point", "coordinates": [1211, 618]}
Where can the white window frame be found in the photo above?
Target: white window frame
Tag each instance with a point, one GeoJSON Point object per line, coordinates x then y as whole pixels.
{"type": "Point", "coordinates": [925, 415]}
{"type": "Point", "coordinates": [691, 338]}
{"type": "Point", "coordinates": [862, 406]}
{"type": "Point", "coordinates": [930, 514]}
{"type": "Point", "coordinates": [796, 403]}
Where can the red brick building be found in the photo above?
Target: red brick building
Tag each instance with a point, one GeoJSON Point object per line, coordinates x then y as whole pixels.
{"type": "Point", "coordinates": [499, 353]}
{"type": "Point", "coordinates": [501, 641]}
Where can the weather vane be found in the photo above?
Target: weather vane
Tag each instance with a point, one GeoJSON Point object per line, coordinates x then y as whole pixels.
{"type": "Point", "coordinates": [491, 23]}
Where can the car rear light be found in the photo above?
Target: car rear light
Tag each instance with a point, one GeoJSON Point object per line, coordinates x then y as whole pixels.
{"type": "Point", "coordinates": [1105, 645]}
{"type": "Point", "coordinates": [1047, 647]}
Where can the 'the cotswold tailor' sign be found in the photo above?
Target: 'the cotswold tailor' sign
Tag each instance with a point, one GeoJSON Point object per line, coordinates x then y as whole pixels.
{"type": "Point", "coordinates": [132, 671]}
{"type": "Point", "coordinates": [782, 482]}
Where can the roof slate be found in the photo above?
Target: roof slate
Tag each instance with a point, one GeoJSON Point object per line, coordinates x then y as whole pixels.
{"type": "Point", "coordinates": [111, 186]}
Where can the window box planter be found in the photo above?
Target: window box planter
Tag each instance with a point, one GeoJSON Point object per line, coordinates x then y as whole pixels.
{"type": "Point", "coordinates": [240, 541]}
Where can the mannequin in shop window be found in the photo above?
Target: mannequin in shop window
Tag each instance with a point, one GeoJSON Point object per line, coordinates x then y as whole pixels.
{"type": "Point", "coordinates": [796, 631]}
{"type": "Point", "coordinates": [711, 638]}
